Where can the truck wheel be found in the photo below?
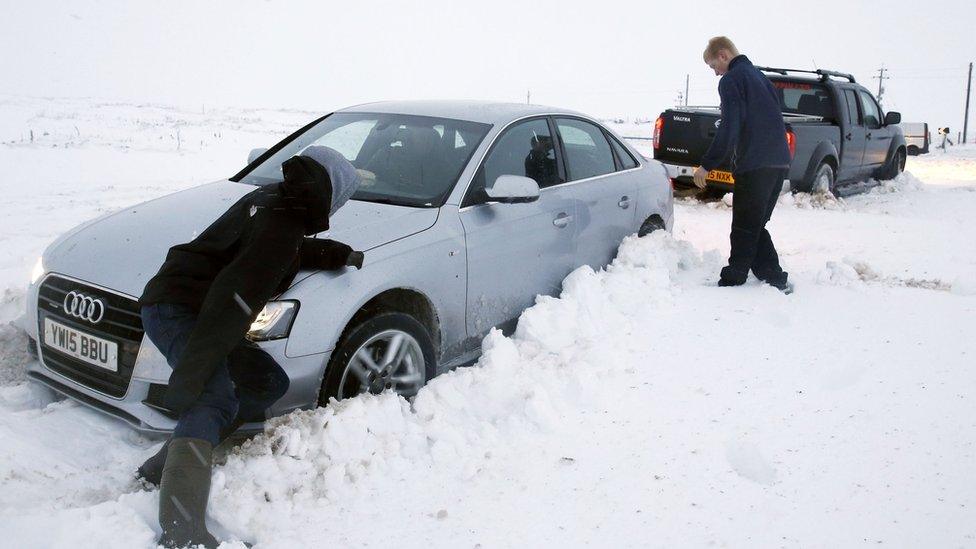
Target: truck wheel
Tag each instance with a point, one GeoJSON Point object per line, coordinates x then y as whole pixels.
{"type": "Point", "coordinates": [894, 167]}
{"type": "Point", "coordinates": [390, 351]}
{"type": "Point", "coordinates": [913, 150]}
{"type": "Point", "coordinates": [823, 179]}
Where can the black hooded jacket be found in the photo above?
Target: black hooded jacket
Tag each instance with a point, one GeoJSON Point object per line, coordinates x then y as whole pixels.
{"type": "Point", "coordinates": [232, 269]}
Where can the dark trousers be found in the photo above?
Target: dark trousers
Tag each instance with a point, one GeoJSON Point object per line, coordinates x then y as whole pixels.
{"type": "Point", "coordinates": [753, 199]}
{"type": "Point", "coordinates": [242, 386]}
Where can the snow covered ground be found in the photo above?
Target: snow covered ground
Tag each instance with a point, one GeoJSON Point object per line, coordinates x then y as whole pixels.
{"type": "Point", "coordinates": [644, 407]}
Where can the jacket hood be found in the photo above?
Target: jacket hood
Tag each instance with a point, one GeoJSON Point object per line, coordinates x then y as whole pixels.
{"type": "Point", "coordinates": [343, 175]}
{"type": "Point", "coordinates": [316, 184]}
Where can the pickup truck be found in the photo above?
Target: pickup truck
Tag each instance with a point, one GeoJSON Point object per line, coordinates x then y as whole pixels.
{"type": "Point", "coordinates": [835, 129]}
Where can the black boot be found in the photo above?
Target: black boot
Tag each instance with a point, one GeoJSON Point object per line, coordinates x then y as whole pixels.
{"type": "Point", "coordinates": [151, 471]}
{"type": "Point", "coordinates": [183, 494]}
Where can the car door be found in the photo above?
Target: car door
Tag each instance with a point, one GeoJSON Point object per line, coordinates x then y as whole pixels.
{"type": "Point", "coordinates": [606, 198]}
{"type": "Point", "coordinates": [852, 148]}
{"type": "Point", "coordinates": [878, 138]}
{"type": "Point", "coordinates": [517, 251]}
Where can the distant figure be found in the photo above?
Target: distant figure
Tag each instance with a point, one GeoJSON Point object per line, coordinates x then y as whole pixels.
{"type": "Point", "coordinates": [752, 131]}
{"type": "Point", "coordinates": [944, 132]}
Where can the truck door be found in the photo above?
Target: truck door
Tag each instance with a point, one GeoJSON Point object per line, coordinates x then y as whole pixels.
{"type": "Point", "coordinates": [878, 137]}
{"type": "Point", "coordinates": [852, 144]}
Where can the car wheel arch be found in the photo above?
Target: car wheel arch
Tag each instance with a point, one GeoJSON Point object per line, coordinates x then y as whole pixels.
{"type": "Point", "coordinates": [825, 152]}
{"type": "Point", "coordinates": [405, 300]}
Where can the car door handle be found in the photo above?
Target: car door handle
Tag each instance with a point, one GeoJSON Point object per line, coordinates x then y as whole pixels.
{"type": "Point", "coordinates": [562, 220]}
{"type": "Point", "coordinates": [624, 202]}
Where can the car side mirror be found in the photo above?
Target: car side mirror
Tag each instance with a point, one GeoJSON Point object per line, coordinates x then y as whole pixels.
{"type": "Point", "coordinates": [255, 154]}
{"type": "Point", "coordinates": [513, 189]}
{"type": "Point", "coordinates": [892, 118]}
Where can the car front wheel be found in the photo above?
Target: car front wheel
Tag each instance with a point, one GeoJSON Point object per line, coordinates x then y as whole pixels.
{"type": "Point", "coordinates": [390, 351]}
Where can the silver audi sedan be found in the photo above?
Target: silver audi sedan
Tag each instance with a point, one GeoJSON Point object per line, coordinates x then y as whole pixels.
{"type": "Point", "coordinates": [467, 212]}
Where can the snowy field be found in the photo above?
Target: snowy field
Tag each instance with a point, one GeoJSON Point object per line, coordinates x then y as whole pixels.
{"type": "Point", "coordinates": [644, 407]}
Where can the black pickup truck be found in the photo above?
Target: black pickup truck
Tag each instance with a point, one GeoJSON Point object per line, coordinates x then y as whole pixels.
{"type": "Point", "coordinates": [835, 129]}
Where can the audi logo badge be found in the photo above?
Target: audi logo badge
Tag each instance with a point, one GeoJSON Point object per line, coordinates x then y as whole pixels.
{"type": "Point", "coordinates": [86, 308]}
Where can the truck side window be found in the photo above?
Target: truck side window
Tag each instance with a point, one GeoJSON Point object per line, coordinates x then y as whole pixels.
{"type": "Point", "coordinates": [872, 114]}
{"type": "Point", "coordinates": [853, 114]}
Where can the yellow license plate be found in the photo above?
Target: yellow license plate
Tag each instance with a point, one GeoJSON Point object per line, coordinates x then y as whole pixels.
{"type": "Point", "coordinates": [720, 177]}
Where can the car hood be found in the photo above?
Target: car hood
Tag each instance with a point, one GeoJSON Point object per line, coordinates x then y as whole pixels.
{"type": "Point", "coordinates": [124, 249]}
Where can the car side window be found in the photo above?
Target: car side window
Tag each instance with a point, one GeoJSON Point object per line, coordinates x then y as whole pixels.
{"type": "Point", "coordinates": [626, 159]}
{"type": "Point", "coordinates": [872, 114]}
{"type": "Point", "coordinates": [587, 152]}
{"type": "Point", "coordinates": [853, 114]}
{"type": "Point", "coordinates": [526, 149]}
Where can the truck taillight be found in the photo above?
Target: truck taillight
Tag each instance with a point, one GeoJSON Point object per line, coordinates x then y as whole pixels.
{"type": "Point", "coordinates": [658, 124]}
{"type": "Point", "coordinates": [791, 142]}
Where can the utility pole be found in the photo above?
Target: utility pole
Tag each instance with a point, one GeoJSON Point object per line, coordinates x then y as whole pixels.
{"type": "Point", "coordinates": [969, 85]}
{"type": "Point", "coordinates": [528, 97]}
{"type": "Point", "coordinates": [881, 78]}
{"type": "Point", "coordinates": [687, 76]}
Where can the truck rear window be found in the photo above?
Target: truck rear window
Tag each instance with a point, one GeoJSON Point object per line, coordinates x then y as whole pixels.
{"type": "Point", "coordinates": [804, 98]}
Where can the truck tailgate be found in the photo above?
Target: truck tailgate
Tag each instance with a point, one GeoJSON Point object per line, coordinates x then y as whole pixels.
{"type": "Point", "coordinates": [686, 135]}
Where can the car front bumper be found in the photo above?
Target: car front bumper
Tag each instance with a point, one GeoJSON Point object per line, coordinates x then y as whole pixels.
{"type": "Point", "coordinates": [136, 400]}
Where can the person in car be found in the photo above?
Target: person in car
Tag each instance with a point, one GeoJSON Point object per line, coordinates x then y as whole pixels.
{"type": "Point", "coordinates": [540, 163]}
{"type": "Point", "coordinates": [199, 306]}
{"type": "Point", "coordinates": [752, 131]}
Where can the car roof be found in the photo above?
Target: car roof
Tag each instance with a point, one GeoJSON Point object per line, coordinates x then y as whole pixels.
{"type": "Point", "coordinates": [486, 112]}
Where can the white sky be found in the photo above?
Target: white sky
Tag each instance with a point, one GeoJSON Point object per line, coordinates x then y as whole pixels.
{"type": "Point", "coordinates": [606, 58]}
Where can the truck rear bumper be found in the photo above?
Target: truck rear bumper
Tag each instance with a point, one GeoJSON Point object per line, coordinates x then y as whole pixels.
{"type": "Point", "coordinates": [683, 176]}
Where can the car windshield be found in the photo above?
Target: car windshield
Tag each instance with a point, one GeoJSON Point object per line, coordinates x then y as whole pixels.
{"type": "Point", "coordinates": [402, 159]}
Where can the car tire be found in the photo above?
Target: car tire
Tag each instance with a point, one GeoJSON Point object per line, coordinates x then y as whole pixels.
{"type": "Point", "coordinates": [359, 359]}
{"type": "Point", "coordinates": [913, 150]}
{"type": "Point", "coordinates": [651, 224]}
{"type": "Point", "coordinates": [824, 179]}
{"type": "Point", "coordinates": [893, 167]}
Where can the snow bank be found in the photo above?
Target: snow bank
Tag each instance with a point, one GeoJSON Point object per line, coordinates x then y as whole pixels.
{"type": "Point", "coordinates": [521, 387]}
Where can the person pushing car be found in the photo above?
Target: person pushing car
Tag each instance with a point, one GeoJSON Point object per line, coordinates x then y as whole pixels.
{"type": "Point", "coordinates": [199, 306]}
{"type": "Point", "coordinates": [752, 131]}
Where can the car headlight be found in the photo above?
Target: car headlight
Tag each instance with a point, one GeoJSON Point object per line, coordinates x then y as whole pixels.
{"type": "Point", "coordinates": [38, 271]}
{"type": "Point", "coordinates": [274, 321]}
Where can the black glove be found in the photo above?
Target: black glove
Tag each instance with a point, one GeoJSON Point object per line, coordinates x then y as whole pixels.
{"type": "Point", "coordinates": [328, 255]}
{"type": "Point", "coordinates": [355, 259]}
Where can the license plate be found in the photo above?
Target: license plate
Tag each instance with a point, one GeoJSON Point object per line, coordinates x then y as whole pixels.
{"type": "Point", "coordinates": [720, 177]}
{"type": "Point", "coordinates": [86, 348]}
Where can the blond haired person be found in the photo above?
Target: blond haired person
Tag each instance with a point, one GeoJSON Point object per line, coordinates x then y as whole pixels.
{"type": "Point", "coordinates": [753, 136]}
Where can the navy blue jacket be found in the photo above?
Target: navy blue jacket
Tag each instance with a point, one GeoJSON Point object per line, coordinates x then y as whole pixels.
{"type": "Point", "coordinates": [752, 127]}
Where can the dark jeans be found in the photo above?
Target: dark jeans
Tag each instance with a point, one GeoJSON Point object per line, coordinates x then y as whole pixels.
{"type": "Point", "coordinates": [753, 198]}
{"type": "Point", "coordinates": [242, 386]}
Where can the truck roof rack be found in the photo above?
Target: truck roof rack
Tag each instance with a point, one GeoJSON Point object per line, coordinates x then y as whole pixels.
{"type": "Point", "coordinates": [823, 74]}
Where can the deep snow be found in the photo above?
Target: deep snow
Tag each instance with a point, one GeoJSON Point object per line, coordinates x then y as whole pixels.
{"type": "Point", "coordinates": [643, 407]}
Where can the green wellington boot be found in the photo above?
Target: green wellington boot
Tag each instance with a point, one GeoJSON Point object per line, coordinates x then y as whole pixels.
{"type": "Point", "coordinates": [184, 492]}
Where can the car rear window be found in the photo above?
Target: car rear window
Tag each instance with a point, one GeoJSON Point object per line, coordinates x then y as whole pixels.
{"type": "Point", "coordinates": [804, 98]}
